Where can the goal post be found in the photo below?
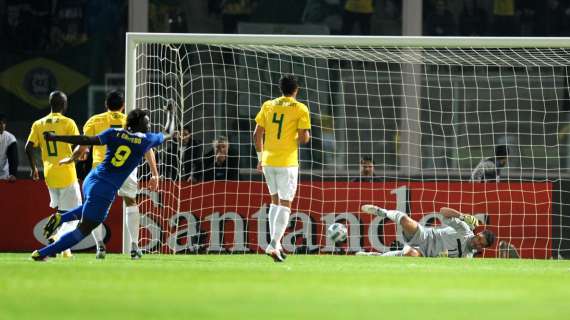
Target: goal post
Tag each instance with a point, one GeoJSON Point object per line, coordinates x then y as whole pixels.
{"type": "Point", "coordinates": [426, 110]}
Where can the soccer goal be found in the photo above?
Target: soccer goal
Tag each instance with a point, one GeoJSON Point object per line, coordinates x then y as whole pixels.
{"type": "Point", "coordinates": [421, 113]}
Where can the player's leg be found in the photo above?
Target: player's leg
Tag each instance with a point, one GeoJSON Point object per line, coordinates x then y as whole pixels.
{"type": "Point", "coordinates": [129, 193]}
{"type": "Point", "coordinates": [287, 187]}
{"type": "Point", "coordinates": [55, 225]}
{"type": "Point", "coordinates": [94, 211]}
{"type": "Point", "coordinates": [270, 178]}
{"type": "Point", "coordinates": [272, 214]}
{"type": "Point", "coordinates": [269, 174]}
{"type": "Point", "coordinates": [368, 253]}
{"type": "Point", "coordinates": [98, 235]}
{"type": "Point", "coordinates": [408, 225]}
{"type": "Point", "coordinates": [70, 198]}
{"type": "Point", "coordinates": [56, 219]}
{"type": "Point", "coordinates": [395, 253]}
{"type": "Point", "coordinates": [66, 241]}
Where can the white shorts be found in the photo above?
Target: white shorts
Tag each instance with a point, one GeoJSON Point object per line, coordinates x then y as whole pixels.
{"type": "Point", "coordinates": [65, 198]}
{"type": "Point", "coordinates": [282, 181]}
{"type": "Point", "coordinates": [130, 186]}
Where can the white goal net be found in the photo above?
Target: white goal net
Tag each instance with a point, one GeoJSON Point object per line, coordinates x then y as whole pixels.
{"type": "Point", "coordinates": [422, 113]}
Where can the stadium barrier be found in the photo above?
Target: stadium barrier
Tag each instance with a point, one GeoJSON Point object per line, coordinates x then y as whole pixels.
{"type": "Point", "coordinates": [230, 217]}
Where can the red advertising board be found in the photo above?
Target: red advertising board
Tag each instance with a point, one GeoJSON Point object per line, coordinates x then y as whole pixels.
{"type": "Point", "coordinates": [24, 209]}
{"type": "Point", "coordinates": [231, 216]}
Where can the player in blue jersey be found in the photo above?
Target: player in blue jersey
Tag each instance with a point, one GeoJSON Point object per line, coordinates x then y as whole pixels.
{"type": "Point", "coordinates": [125, 150]}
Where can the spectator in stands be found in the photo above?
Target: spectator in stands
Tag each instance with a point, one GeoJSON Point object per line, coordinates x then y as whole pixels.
{"type": "Point", "coordinates": [220, 164]}
{"type": "Point", "coordinates": [504, 18]}
{"type": "Point", "coordinates": [553, 19]}
{"type": "Point", "coordinates": [489, 169]}
{"type": "Point", "coordinates": [177, 21]}
{"type": "Point", "coordinates": [191, 162]}
{"type": "Point", "coordinates": [473, 19]}
{"type": "Point", "coordinates": [526, 12]}
{"type": "Point", "coordinates": [8, 152]}
{"type": "Point", "coordinates": [323, 12]}
{"type": "Point", "coordinates": [235, 11]}
{"type": "Point", "coordinates": [366, 170]}
{"type": "Point", "coordinates": [357, 11]}
{"type": "Point", "coordinates": [441, 21]}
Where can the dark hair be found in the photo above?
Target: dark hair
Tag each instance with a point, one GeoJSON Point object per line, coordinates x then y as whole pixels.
{"type": "Point", "coordinates": [187, 128]}
{"type": "Point", "coordinates": [489, 237]}
{"type": "Point", "coordinates": [115, 100]}
{"type": "Point", "coordinates": [366, 159]}
{"type": "Point", "coordinates": [136, 122]}
{"type": "Point", "coordinates": [501, 151]}
{"type": "Point", "coordinates": [3, 118]}
{"type": "Point", "coordinates": [57, 101]}
{"type": "Point", "coordinates": [288, 84]}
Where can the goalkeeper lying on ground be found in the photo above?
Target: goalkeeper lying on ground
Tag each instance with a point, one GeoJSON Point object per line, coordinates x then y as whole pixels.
{"type": "Point", "coordinates": [454, 241]}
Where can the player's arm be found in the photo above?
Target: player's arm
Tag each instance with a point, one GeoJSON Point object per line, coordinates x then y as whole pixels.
{"type": "Point", "coordinates": [78, 154]}
{"type": "Point", "coordinates": [458, 220]}
{"type": "Point", "coordinates": [78, 139]}
{"type": "Point", "coordinates": [30, 147]}
{"type": "Point", "coordinates": [303, 136]}
{"type": "Point", "coordinates": [169, 131]}
{"type": "Point", "coordinates": [151, 159]}
{"type": "Point", "coordinates": [304, 126]}
{"type": "Point", "coordinates": [13, 160]}
{"type": "Point", "coordinates": [258, 135]}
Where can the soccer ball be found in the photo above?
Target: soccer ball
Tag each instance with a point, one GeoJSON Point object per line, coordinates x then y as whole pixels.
{"type": "Point", "coordinates": [337, 232]}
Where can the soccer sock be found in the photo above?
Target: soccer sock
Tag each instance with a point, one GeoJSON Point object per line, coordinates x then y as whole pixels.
{"type": "Point", "coordinates": [395, 215]}
{"type": "Point", "coordinates": [271, 217]}
{"type": "Point", "coordinates": [396, 253]}
{"type": "Point", "coordinates": [281, 222]}
{"type": "Point", "coordinates": [97, 234]}
{"type": "Point", "coordinates": [133, 224]}
{"type": "Point", "coordinates": [66, 241]}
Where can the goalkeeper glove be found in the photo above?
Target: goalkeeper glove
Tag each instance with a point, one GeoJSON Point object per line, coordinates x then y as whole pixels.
{"type": "Point", "coordinates": [471, 221]}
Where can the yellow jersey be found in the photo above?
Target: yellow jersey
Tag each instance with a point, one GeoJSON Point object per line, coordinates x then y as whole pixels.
{"type": "Point", "coordinates": [359, 6]}
{"type": "Point", "coordinates": [99, 123]}
{"type": "Point", "coordinates": [281, 118]}
{"type": "Point", "coordinates": [504, 8]}
{"type": "Point", "coordinates": [57, 176]}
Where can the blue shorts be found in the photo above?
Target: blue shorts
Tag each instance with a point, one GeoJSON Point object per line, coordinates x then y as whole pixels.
{"type": "Point", "coordinates": [94, 186]}
{"type": "Point", "coordinates": [99, 195]}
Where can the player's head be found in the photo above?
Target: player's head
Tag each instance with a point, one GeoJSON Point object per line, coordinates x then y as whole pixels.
{"type": "Point", "coordinates": [482, 240]}
{"type": "Point", "coordinates": [115, 101]}
{"type": "Point", "coordinates": [367, 166]}
{"type": "Point", "coordinates": [3, 121]}
{"type": "Point", "coordinates": [138, 121]}
{"type": "Point", "coordinates": [501, 154]}
{"type": "Point", "coordinates": [289, 85]}
{"type": "Point", "coordinates": [58, 101]}
{"type": "Point", "coordinates": [186, 135]}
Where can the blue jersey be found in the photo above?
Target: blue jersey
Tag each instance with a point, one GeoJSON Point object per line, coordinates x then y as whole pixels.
{"type": "Point", "coordinates": [125, 151]}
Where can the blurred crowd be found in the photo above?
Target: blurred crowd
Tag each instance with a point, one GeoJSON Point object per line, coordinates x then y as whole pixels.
{"type": "Point", "coordinates": [376, 17]}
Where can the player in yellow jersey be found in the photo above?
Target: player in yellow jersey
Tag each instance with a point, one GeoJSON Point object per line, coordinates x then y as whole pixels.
{"type": "Point", "coordinates": [115, 118]}
{"type": "Point", "coordinates": [61, 180]}
{"type": "Point", "coordinates": [282, 125]}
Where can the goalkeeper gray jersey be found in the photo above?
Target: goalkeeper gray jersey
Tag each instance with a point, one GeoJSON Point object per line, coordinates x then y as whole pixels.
{"type": "Point", "coordinates": [449, 241]}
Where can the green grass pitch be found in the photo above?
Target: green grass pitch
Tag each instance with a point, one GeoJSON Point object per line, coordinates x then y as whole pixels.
{"type": "Point", "coordinates": [304, 287]}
